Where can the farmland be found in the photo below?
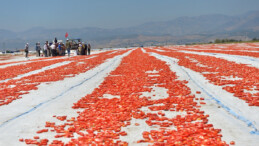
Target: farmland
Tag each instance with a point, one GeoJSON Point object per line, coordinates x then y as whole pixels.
{"type": "Point", "coordinates": [174, 95]}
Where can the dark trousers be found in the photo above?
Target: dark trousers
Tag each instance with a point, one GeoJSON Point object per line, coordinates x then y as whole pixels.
{"type": "Point", "coordinates": [38, 53]}
{"type": "Point", "coordinates": [26, 54]}
{"type": "Point", "coordinates": [68, 52]}
{"type": "Point", "coordinates": [53, 52]}
{"type": "Point", "coordinates": [83, 51]}
{"type": "Point", "coordinates": [48, 52]}
{"type": "Point", "coordinates": [45, 53]}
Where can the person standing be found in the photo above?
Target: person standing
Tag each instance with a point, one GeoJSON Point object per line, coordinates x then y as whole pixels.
{"type": "Point", "coordinates": [38, 49]}
{"type": "Point", "coordinates": [55, 40]}
{"type": "Point", "coordinates": [86, 46]}
{"type": "Point", "coordinates": [45, 50]}
{"type": "Point", "coordinates": [63, 49]}
{"type": "Point", "coordinates": [59, 49]}
{"type": "Point", "coordinates": [48, 49]}
{"type": "Point", "coordinates": [89, 48]}
{"type": "Point", "coordinates": [53, 49]}
{"type": "Point", "coordinates": [83, 49]}
{"type": "Point", "coordinates": [68, 46]}
{"type": "Point", "coordinates": [80, 48]}
{"type": "Point", "coordinates": [26, 50]}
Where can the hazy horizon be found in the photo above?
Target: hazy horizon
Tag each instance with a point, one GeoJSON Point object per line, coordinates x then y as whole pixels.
{"type": "Point", "coordinates": [64, 14]}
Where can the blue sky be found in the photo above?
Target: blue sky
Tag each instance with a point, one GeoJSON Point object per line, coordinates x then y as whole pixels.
{"type": "Point", "coordinates": [19, 15]}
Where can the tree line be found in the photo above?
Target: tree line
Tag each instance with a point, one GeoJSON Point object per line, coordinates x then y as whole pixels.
{"type": "Point", "coordinates": [233, 40]}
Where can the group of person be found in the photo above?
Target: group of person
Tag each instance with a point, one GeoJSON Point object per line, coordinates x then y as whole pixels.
{"type": "Point", "coordinates": [83, 49]}
{"type": "Point", "coordinates": [58, 49]}
{"type": "Point", "coordinates": [50, 49]}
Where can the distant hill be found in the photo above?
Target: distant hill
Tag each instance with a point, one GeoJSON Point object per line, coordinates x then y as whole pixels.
{"type": "Point", "coordinates": [178, 31]}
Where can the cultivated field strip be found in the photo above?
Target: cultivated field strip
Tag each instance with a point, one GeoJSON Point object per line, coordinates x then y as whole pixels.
{"type": "Point", "coordinates": [171, 95]}
{"type": "Point", "coordinates": [24, 117]}
{"type": "Point", "coordinates": [13, 89]}
{"type": "Point", "coordinates": [250, 61]}
{"type": "Point", "coordinates": [219, 105]}
{"type": "Point", "coordinates": [239, 79]}
{"type": "Point", "coordinates": [23, 61]}
{"type": "Point", "coordinates": [15, 70]}
{"type": "Point", "coordinates": [244, 49]}
{"type": "Point", "coordinates": [107, 114]}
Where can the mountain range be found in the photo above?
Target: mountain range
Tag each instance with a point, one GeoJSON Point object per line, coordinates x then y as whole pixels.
{"type": "Point", "coordinates": [181, 30]}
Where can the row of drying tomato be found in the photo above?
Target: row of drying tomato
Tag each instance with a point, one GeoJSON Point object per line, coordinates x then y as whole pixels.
{"type": "Point", "coordinates": [233, 49]}
{"type": "Point", "coordinates": [238, 79]}
{"type": "Point", "coordinates": [241, 53]}
{"type": "Point", "coordinates": [24, 61]}
{"type": "Point", "coordinates": [15, 70]}
{"type": "Point", "coordinates": [7, 57]}
{"type": "Point", "coordinates": [102, 119]}
{"type": "Point", "coordinates": [13, 89]}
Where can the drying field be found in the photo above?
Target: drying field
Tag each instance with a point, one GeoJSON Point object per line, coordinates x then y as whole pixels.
{"type": "Point", "coordinates": [171, 95]}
